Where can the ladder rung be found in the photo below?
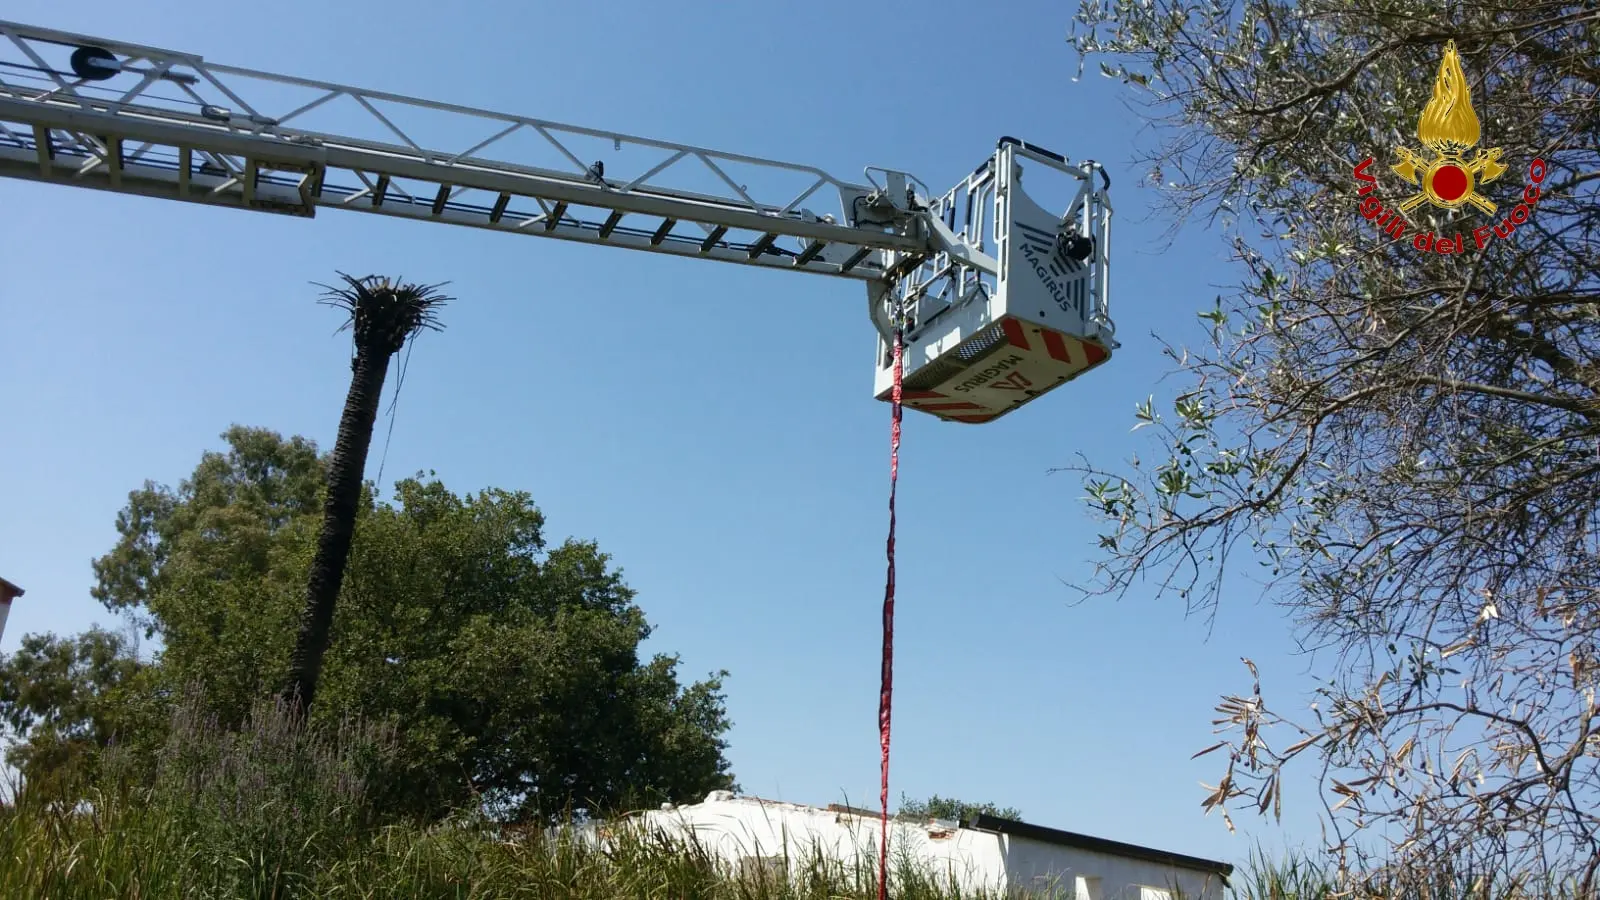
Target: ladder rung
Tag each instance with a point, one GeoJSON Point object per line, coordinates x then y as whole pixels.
{"type": "Point", "coordinates": [310, 190]}
{"type": "Point", "coordinates": [906, 264]}
{"type": "Point", "coordinates": [554, 217]}
{"type": "Point", "coordinates": [44, 147]}
{"type": "Point", "coordinates": [114, 160]}
{"type": "Point", "coordinates": [760, 247]}
{"type": "Point", "coordinates": [712, 238]}
{"type": "Point", "coordinates": [855, 259]}
{"type": "Point", "coordinates": [248, 173]}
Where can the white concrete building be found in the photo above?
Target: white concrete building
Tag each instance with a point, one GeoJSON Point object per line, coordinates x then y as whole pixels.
{"type": "Point", "coordinates": [986, 853]}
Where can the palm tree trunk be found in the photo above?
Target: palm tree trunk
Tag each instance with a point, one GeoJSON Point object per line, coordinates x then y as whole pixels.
{"type": "Point", "coordinates": [346, 472]}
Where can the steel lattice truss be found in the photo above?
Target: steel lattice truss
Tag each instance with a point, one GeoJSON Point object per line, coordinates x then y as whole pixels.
{"type": "Point", "coordinates": [133, 119]}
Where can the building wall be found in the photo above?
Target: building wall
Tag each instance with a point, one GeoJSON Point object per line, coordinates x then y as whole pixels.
{"type": "Point", "coordinates": [744, 830]}
{"type": "Point", "coordinates": [1105, 877]}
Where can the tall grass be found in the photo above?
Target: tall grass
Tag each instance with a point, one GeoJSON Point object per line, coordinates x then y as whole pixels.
{"type": "Point", "coordinates": [1297, 876]}
{"type": "Point", "coordinates": [122, 847]}
{"type": "Point", "coordinates": [247, 813]}
{"type": "Point", "coordinates": [280, 810]}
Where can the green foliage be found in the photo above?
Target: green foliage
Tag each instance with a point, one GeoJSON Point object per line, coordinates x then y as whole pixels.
{"type": "Point", "coordinates": [951, 809]}
{"type": "Point", "coordinates": [228, 516]}
{"type": "Point", "coordinates": [509, 671]}
{"type": "Point", "coordinates": [69, 698]}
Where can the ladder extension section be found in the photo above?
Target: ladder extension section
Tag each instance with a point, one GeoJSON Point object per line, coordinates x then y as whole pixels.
{"type": "Point", "coordinates": [105, 114]}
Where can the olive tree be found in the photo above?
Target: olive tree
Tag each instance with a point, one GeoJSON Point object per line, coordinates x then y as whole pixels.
{"type": "Point", "coordinates": [1403, 436]}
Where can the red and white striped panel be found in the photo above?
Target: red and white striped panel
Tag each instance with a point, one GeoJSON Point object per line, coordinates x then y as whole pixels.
{"type": "Point", "coordinates": [1029, 363]}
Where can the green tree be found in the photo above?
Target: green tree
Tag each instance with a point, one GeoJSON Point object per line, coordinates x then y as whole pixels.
{"type": "Point", "coordinates": [64, 700]}
{"type": "Point", "coordinates": [937, 807]}
{"type": "Point", "coordinates": [510, 669]}
{"type": "Point", "coordinates": [1403, 442]}
{"type": "Point", "coordinates": [383, 315]}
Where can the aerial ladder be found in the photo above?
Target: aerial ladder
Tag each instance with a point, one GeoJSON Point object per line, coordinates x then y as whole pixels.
{"type": "Point", "coordinates": [996, 300]}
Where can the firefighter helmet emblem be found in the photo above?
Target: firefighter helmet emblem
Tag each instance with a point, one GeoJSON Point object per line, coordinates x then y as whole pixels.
{"type": "Point", "coordinates": [1449, 127]}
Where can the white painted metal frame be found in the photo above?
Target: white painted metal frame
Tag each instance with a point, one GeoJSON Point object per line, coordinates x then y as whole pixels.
{"type": "Point", "coordinates": [213, 145]}
{"type": "Point", "coordinates": [971, 218]}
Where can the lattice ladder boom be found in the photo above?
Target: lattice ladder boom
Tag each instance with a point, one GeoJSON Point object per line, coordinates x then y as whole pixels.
{"type": "Point", "coordinates": [100, 122]}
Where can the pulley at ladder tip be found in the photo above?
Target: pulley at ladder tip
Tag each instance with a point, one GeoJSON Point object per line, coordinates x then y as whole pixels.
{"type": "Point", "coordinates": [94, 63]}
{"type": "Point", "coordinates": [99, 64]}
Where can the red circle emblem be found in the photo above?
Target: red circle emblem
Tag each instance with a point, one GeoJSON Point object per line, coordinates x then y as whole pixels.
{"type": "Point", "coordinates": [1450, 183]}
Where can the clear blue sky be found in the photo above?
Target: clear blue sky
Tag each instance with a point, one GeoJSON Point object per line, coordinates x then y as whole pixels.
{"type": "Point", "coordinates": [712, 426]}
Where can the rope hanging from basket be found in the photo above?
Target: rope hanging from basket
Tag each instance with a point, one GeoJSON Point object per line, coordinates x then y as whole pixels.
{"type": "Point", "coordinates": [886, 688]}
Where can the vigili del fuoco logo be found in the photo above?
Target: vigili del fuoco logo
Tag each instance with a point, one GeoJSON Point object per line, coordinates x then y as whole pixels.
{"type": "Point", "coordinates": [1443, 175]}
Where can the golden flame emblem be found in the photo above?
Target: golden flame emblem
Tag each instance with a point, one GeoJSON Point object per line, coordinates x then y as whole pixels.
{"type": "Point", "coordinates": [1449, 127]}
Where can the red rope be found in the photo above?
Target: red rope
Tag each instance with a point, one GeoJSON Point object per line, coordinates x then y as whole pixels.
{"type": "Point", "coordinates": [887, 688]}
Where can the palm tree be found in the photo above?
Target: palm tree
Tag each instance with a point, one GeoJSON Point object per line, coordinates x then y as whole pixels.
{"type": "Point", "coordinates": [382, 314]}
